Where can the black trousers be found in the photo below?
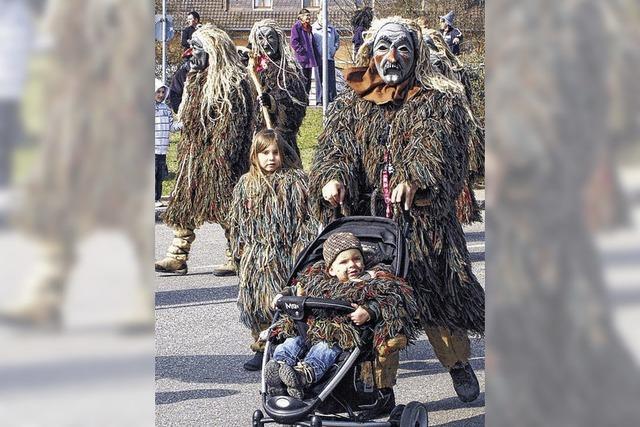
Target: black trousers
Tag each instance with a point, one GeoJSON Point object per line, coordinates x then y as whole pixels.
{"type": "Point", "coordinates": [161, 173]}
{"type": "Point", "coordinates": [307, 74]}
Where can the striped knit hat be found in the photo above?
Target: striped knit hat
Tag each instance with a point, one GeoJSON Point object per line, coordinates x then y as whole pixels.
{"type": "Point", "coordinates": [337, 243]}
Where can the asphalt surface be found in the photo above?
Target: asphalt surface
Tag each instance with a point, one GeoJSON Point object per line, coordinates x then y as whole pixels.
{"type": "Point", "coordinates": [201, 346]}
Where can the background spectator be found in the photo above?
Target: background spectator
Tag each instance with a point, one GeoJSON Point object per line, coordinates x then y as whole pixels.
{"type": "Point", "coordinates": [177, 82]}
{"type": "Point", "coordinates": [452, 35]}
{"type": "Point", "coordinates": [193, 19]}
{"type": "Point", "coordinates": [302, 45]}
{"type": "Point", "coordinates": [360, 22]}
{"type": "Point", "coordinates": [333, 44]}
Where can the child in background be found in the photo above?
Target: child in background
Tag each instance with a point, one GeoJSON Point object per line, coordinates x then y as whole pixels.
{"type": "Point", "coordinates": [164, 125]}
{"type": "Point", "coordinates": [378, 297]}
{"type": "Point", "coordinates": [270, 225]}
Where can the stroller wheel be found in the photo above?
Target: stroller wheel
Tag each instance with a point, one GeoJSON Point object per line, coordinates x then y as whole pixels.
{"type": "Point", "coordinates": [257, 418]}
{"type": "Point", "coordinates": [394, 416]}
{"type": "Point", "coordinates": [414, 415]}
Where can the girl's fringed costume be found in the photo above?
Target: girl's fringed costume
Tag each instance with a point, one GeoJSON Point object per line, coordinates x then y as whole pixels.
{"type": "Point", "coordinates": [424, 141]}
{"type": "Point", "coordinates": [398, 309]}
{"type": "Point", "coordinates": [270, 225]}
{"type": "Point", "coordinates": [212, 155]}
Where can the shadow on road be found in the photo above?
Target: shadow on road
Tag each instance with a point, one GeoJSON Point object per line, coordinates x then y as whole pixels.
{"type": "Point", "coordinates": [474, 236]}
{"type": "Point", "coordinates": [477, 421]}
{"type": "Point", "coordinates": [451, 403]}
{"type": "Point", "coordinates": [215, 369]}
{"type": "Point", "coordinates": [163, 398]}
{"type": "Point", "coordinates": [199, 295]}
{"type": "Point", "coordinates": [421, 360]}
{"type": "Point", "coordinates": [476, 256]}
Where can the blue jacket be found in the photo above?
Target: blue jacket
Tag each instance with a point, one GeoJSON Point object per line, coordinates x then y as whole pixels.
{"type": "Point", "coordinates": [333, 41]}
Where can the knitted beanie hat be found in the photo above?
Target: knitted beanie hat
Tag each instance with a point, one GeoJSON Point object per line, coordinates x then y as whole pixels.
{"type": "Point", "coordinates": [337, 243]}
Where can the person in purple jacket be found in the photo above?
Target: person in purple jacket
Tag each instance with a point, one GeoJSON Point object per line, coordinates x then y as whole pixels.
{"type": "Point", "coordinates": [302, 45]}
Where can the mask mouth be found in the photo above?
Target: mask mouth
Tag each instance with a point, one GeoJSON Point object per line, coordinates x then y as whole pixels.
{"type": "Point", "coordinates": [392, 67]}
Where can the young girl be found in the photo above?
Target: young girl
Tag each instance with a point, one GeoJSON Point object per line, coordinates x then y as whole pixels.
{"type": "Point", "coordinates": [270, 225]}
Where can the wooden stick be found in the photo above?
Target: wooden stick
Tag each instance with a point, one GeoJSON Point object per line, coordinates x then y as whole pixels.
{"type": "Point", "coordinates": [256, 82]}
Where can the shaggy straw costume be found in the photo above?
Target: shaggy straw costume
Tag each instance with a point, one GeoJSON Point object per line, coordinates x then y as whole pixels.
{"type": "Point", "coordinates": [426, 137]}
{"type": "Point", "coordinates": [397, 307]}
{"type": "Point", "coordinates": [213, 150]}
{"type": "Point", "coordinates": [271, 224]}
{"type": "Point", "coordinates": [281, 78]}
{"type": "Point", "coordinates": [450, 66]}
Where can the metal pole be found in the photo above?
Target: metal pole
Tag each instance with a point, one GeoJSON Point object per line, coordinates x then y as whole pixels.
{"type": "Point", "coordinates": [164, 41]}
{"type": "Point", "coordinates": [325, 56]}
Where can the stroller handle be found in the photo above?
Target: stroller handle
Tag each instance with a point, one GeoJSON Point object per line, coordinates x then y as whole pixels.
{"type": "Point", "coordinates": [298, 304]}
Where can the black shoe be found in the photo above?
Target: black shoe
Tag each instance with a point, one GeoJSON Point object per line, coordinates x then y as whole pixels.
{"type": "Point", "coordinates": [272, 374]}
{"type": "Point", "coordinates": [465, 382]}
{"type": "Point", "coordinates": [255, 363]}
{"type": "Point", "coordinates": [386, 401]}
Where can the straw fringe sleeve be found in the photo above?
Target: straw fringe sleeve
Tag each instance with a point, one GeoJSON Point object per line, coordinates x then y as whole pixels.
{"type": "Point", "coordinates": [212, 155]}
{"type": "Point", "coordinates": [270, 225]}
{"type": "Point", "coordinates": [290, 105]}
{"type": "Point", "coordinates": [337, 156]}
{"type": "Point", "coordinates": [398, 309]}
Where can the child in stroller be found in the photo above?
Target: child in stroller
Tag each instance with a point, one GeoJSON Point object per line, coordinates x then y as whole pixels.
{"type": "Point", "coordinates": [380, 306]}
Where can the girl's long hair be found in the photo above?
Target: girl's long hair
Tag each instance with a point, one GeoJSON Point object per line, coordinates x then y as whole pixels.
{"type": "Point", "coordinates": [261, 141]}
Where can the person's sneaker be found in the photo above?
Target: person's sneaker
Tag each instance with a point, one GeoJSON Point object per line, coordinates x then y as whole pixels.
{"type": "Point", "coordinates": [226, 269]}
{"type": "Point", "coordinates": [272, 374]}
{"type": "Point", "coordinates": [255, 363]}
{"type": "Point", "coordinates": [386, 403]}
{"type": "Point", "coordinates": [297, 379]}
{"type": "Point", "coordinates": [171, 265]}
{"type": "Point", "coordinates": [465, 382]}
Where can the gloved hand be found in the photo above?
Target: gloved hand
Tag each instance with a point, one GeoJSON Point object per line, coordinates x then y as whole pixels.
{"type": "Point", "coordinates": [265, 101]}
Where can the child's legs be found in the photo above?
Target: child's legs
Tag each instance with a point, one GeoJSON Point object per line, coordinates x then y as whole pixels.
{"type": "Point", "coordinates": [161, 165]}
{"type": "Point", "coordinates": [289, 351]}
{"type": "Point", "coordinates": [320, 357]}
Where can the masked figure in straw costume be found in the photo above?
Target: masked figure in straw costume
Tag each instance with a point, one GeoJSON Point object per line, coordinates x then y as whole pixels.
{"type": "Point", "coordinates": [213, 151]}
{"type": "Point", "coordinates": [281, 80]}
{"type": "Point", "coordinates": [446, 63]}
{"type": "Point", "coordinates": [398, 135]}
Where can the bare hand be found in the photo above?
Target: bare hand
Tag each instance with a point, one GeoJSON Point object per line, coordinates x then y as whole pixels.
{"type": "Point", "coordinates": [360, 316]}
{"type": "Point", "coordinates": [456, 40]}
{"type": "Point", "coordinates": [334, 192]}
{"type": "Point", "coordinates": [404, 192]}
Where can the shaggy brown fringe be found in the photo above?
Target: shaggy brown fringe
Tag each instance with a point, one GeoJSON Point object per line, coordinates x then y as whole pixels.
{"type": "Point", "coordinates": [282, 80]}
{"type": "Point", "coordinates": [395, 297]}
{"type": "Point", "coordinates": [210, 159]}
{"type": "Point", "coordinates": [451, 66]}
{"type": "Point", "coordinates": [427, 141]}
{"type": "Point", "coordinates": [270, 225]}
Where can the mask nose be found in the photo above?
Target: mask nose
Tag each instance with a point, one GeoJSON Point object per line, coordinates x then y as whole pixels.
{"type": "Point", "coordinates": [393, 54]}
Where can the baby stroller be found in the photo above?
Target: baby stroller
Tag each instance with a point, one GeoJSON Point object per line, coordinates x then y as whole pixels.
{"type": "Point", "coordinates": [341, 396]}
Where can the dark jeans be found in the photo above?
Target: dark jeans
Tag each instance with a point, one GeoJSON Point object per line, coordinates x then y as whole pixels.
{"type": "Point", "coordinates": [307, 74]}
{"type": "Point", "coordinates": [332, 82]}
{"type": "Point", "coordinates": [161, 173]}
{"type": "Point", "coordinates": [10, 133]}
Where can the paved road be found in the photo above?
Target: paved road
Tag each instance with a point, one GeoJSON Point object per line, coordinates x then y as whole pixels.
{"type": "Point", "coordinates": [201, 347]}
